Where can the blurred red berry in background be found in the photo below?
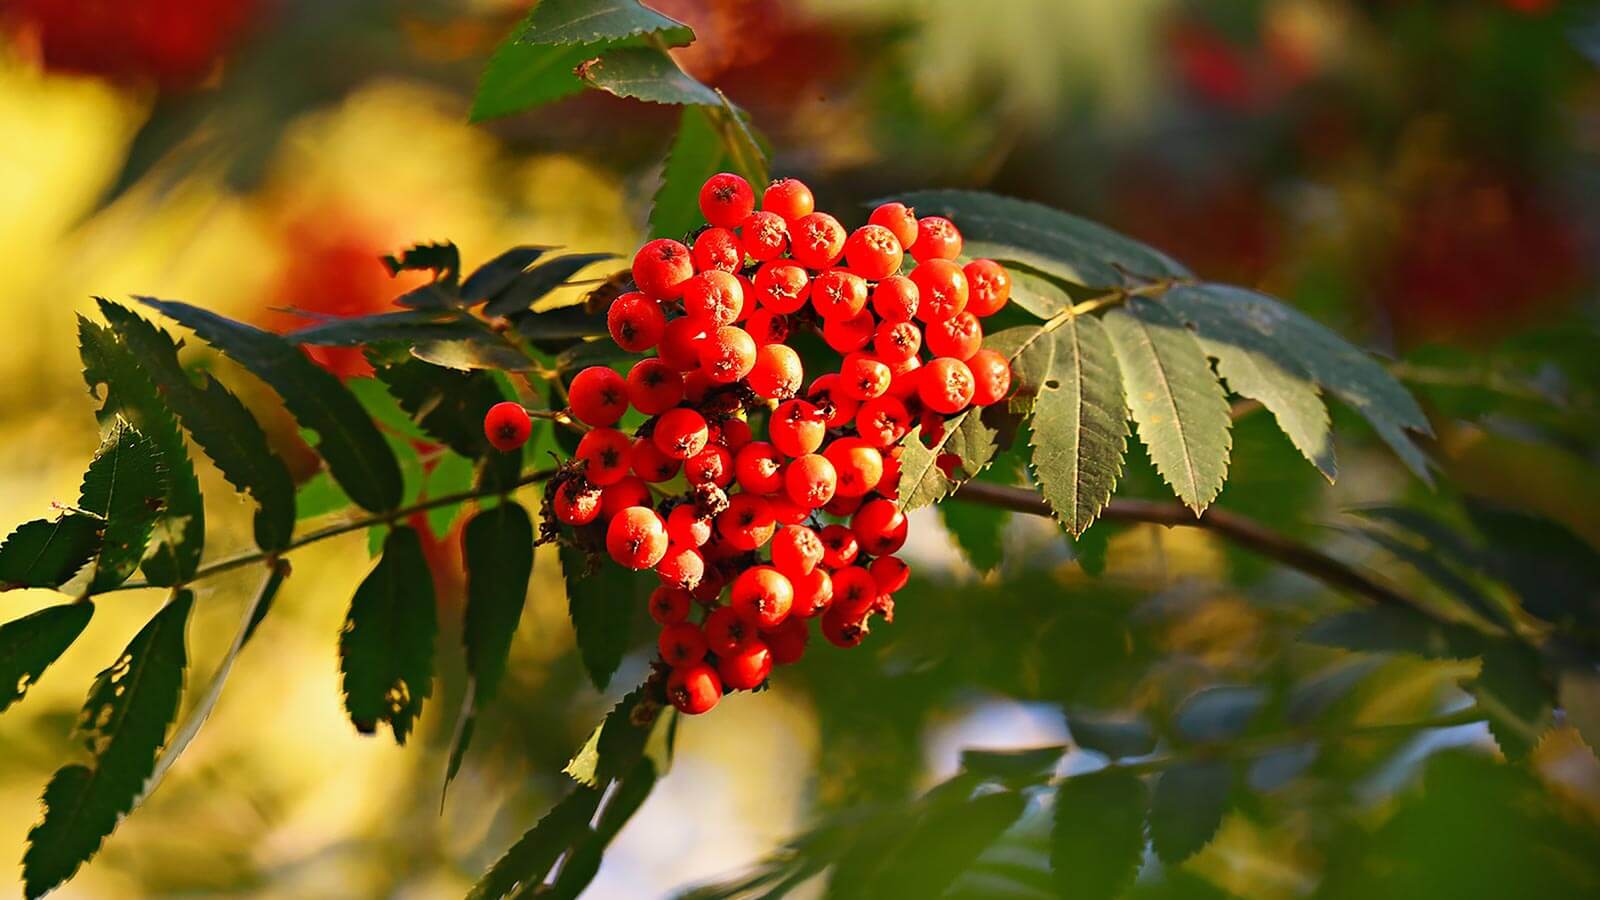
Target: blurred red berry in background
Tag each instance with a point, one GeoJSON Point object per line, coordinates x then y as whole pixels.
{"type": "Point", "coordinates": [174, 43]}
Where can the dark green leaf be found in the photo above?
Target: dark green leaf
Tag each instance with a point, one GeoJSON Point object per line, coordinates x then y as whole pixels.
{"type": "Point", "coordinates": [127, 486]}
{"type": "Point", "coordinates": [1186, 807]}
{"type": "Point", "coordinates": [603, 605]}
{"type": "Point", "coordinates": [1264, 370]}
{"type": "Point", "coordinates": [129, 393]}
{"type": "Point", "coordinates": [1097, 841]}
{"type": "Point", "coordinates": [1554, 571]}
{"type": "Point", "coordinates": [1219, 713]}
{"type": "Point", "coordinates": [355, 451]}
{"type": "Point", "coordinates": [646, 73]}
{"type": "Point", "coordinates": [978, 528]}
{"type": "Point", "coordinates": [528, 287]}
{"type": "Point", "coordinates": [704, 145]}
{"type": "Point", "coordinates": [45, 553]}
{"type": "Point", "coordinates": [443, 260]}
{"type": "Point", "coordinates": [1514, 694]}
{"type": "Point", "coordinates": [1440, 574]}
{"type": "Point", "coordinates": [123, 724]}
{"type": "Point", "coordinates": [1395, 630]}
{"type": "Point", "coordinates": [1042, 238]}
{"type": "Point", "coordinates": [581, 866]}
{"type": "Point", "coordinates": [447, 404]}
{"type": "Point", "coordinates": [1014, 768]}
{"type": "Point", "coordinates": [219, 423]}
{"type": "Point", "coordinates": [1112, 736]}
{"type": "Point", "coordinates": [30, 644]}
{"type": "Point", "coordinates": [593, 21]}
{"type": "Point", "coordinates": [618, 742]}
{"type": "Point", "coordinates": [553, 329]}
{"type": "Point", "coordinates": [430, 297]}
{"type": "Point", "coordinates": [1339, 367]}
{"type": "Point", "coordinates": [386, 647]}
{"type": "Point", "coordinates": [1080, 425]}
{"type": "Point", "coordinates": [1181, 409]}
{"type": "Point", "coordinates": [410, 326]}
{"type": "Point", "coordinates": [942, 842]}
{"type": "Point", "coordinates": [530, 859]}
{"type": "Point", "coordinates": [1579, 689]}
{"type": "Point", "coordinates": [495, 275]}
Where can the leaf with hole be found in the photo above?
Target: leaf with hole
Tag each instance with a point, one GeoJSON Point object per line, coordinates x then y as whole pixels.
{"type": "Point", "coordinates": [1080, 425]}
{"type": "Point", "coordinates": [30, 644]}
{"type": "Point", "coordinates": [126, 486]}
{"type": "Point", "coordinates": [386, 646]}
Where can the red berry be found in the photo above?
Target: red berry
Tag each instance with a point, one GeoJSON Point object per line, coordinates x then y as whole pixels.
{"type": "Point", "coordinates": [796, 550]}
{"type": "Point", "coordinates": [635, 322]}
{"type": "Point", "coordinates": [654, 387]}
{"type": "Point", "coordinates": [842, 631]}
{"type": "Point", "coordinates": [873, 252]}
{"type": "Point", "coordinates": [717, 248]}
{"type": "Point", "coordinates": [680, 433]}
{"type": "Point", "coordinates": [843, 507]}
{"type": "Point", "coordinates": [788, 197]}
{"type": "Point", "coordinates": [714, 297]}
{"type": "Point", "coordinates": [764, 236]}
{"type": "Point", "coordinates": [991, 376]}
{"type": "Point", "coordinates": [858, 464]}
{"type": "Point", "coordinates": [942, 289]}
{"type": "Point", "coordinates": [889, 484]}
{"type": "Point", "coordinates": [895, 299]}
{"type": "Point", "coordinates": [776, 373]}
{"type": "Point", "coordinates": [786, 511]}
{"type": "Point", "coordinates": [796, 428]}
{"type": "Point", "coordinates": [787, 642]}
{"type": "Point", "coordinates": [747, 523]}
{"type": "Point", "coordinates": [854, 591]}
{"type": "Point", "coordinates": [895, 341]}
{"type": "Point", "coordinates": [879, 526]}
{"type": "Point", "coordinates": [758, 466]}
{"type": "Point", "coordinates": [661, 267]}
{"type": "Point", "coordinates": [937, 238]}
{"type": "Point", "coordinates": [686, 526]}
{"type": "Point", "coordinates": [725, 199]}
{"type": "Point", "coordinates": [946, 386]}
{"type": "Point", "coordinates": [669, 605]}
{"type": "Point", "coordinates": [713, 465]}
{"type": "Point", "coordinates": [768, 327]}
{"type": "Point", "coordinates": [681, 567]}
{"type": "Point", "coordinates": [746, 667]}
{"type": "Point", "coordinates": [883, 421]}
{"type": "Point", "coordinates": [826, 393]}
{"type": "Point", "coordinates": [734, 434]}
{"type": "Point", "coordinates": [694, 689]}
{"type": "Point", "coordinates": [728, 355]}
{"type": "Point", "coordinates": [650, 464]}
{"type": "Point", "coordinates": [890, 572]}
{"type": "Point", "coordinates": [810, 481]}
{"type": "Point", "coordinates": [762, 596]}
{"type": "Point", "coordinates": [846, 335]}
{"type": "Point", "coordinates": [816, 241]}
{"type": "Point", "coordinates": [725, 631]}
{"type": "Point", "coordinates": [959, 336]}
{"type": "Point", "coordinates": [629, 491]}
{"type": "Point", "coordinates": [899, 219]}
{"type": "Point", "coordinates": [576, 502]}
{"type": "Point", "coordinates": [904, 376]}
{"type": "Point", "coordinates": [681, 644]}
{"type": "Point", "coordinates": [864, 377]}
{"type": "Point", "coordinates": [507, 426]}
{"type": "Point", "coordinates": [839, 546]}
{"type": "Point", "coordinates": [839, 293]}
{"type": "Point", "coordinates": [680, 343]}
{"type": "Point", "coordinates": [606, 455]}
{"type": "Point", "coordinates": [636, 537]}
{"type": "Point", "coordinates": [813, 592]}
{"type": "Point", "coordinates": [988, 286]}
{"type": "Point", "coordinates": [598, 396]}
{"type": "Point", "coordinates": [782, 286]}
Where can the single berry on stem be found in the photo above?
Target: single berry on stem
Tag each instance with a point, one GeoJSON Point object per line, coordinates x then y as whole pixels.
{"type": "Point", "coordinates": [507, 426]}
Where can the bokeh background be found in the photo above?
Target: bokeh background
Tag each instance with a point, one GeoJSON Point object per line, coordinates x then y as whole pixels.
{"type": "Point", "coordinates": [1420, 175]}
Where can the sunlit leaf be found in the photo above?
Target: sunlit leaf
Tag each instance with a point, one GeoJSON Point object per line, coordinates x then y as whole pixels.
{"type": "Point", "coordinates": [592, 21]}
{"type": "Point", "coordinates": [126, 485]}
{"type": "Point", "coordinates": [646, 73]}
{"type": "Point", "coordinates": [30, 644]}
{"type": "Point", "coordinates": [1080, 425]}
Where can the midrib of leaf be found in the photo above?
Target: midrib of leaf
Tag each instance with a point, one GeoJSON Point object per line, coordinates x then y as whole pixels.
{"type": "Point", "coordinates": [54, 532]}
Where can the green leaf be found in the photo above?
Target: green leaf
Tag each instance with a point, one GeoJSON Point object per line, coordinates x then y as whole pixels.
{"type": "Point", "coordinates": [46, 553]}
{"type": "Point", "coordinates": [703, 147]}
{"type": "Point", "coordinates": [1219, 713]}
{"type": "Point", "coordinates": [498, 548]}
{"type": "Point", "coordinates": [555, 329]}
{"type": "Point", "coordinates": [218, 422]}
{"type": "Point", "coordinates": [1339, 367]}
{"type": "Point", "coordinates": [646, 73]}
{"type": "Point", "coordinates": [355, 451]}
{"type": "Point", "coordinates": [451, 474]}
{"type": "Point", "coordinates": [1395, 630]}
{"type": "Point", "coordinates": [129, 393]}
{"type": "Point", "coordinates": [978, 529]}
{"type": "Point", "coordinates": [497, 274]}
{"type": "Point", "coordinates": [1441, 574]}
{"type": "Point", "coordinates": [941, 843]}
{"type": "Point", "coordinates": [123, 724]}
{"type": "Point", "coordinates": [127, 486]}
{"type": "Point", "coordinates": [253, 614]}
{"type": "Point", "coordinates": [1181, 409]}
{"type": "Point", "coordinates": [1264, 370]}
{"type": "Point", "coordinates": [1579, 689]}
{"type": "Point", "coordinates": [1097, 841]}
{"type": "Point", "coordinates": [1042, 238]}
{"type": "Point", "coordinates": [618, 742]}
{"type": "Point", "coordinates": [1112, 736]}
{"type": "Point", "coordinates": [530, 859]}
{"type": "Point", "coordinates": [448, 405]}
{"type": "Point", "coordinates": [1015, 769]}
{"type": "Point", "coordinates": [603, 605]}
{"type": "Point", "coordinates": [30, 644]}
{"type": "Point", "coordinates": [593, 21]}
{"type": "Point", "coordinates": [410, 326]}
{"type": "Point", "coordinates": [1186, 807]}
{"type": "Point", "coordinates": [1080, 425]}
{"type": "Point", "coordinates": [1513, 692]}
{"type": "Point", "coordinates": [528, 287]}
{"type": "Point", "coordinates": [386, 647]}
{"type": "Point", "coordinates": [1036, 293]}
{"type": "Point", "coordinates": [521, 76]}
{"type": "Point", "coordinates": [442, 259]}
{"type": "Point", "coordinates": [583, 863]}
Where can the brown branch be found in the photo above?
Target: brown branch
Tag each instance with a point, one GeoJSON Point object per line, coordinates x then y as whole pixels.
{"type": "Point", "coordinates": [1245, 532]}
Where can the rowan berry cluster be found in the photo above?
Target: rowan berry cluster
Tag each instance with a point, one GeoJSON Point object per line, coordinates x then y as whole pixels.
{"type": "Point", "coordinates": [762, 502]}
